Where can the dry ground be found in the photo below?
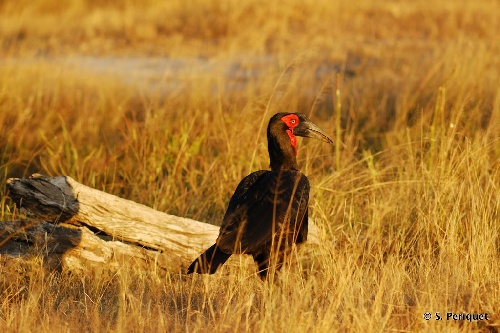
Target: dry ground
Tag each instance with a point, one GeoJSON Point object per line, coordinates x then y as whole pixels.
{"type": "Point", "coordinates": [408, 200]}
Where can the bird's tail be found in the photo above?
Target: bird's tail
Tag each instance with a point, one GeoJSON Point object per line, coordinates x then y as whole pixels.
{"type": "Point", "coordinates": [209, 261]}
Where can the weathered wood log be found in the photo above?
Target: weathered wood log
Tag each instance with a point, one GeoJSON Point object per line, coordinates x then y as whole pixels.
{"type": "Point", "coordinates": [76, 248]}
{"type": "Point", "coordinates": [133, 230]}
{"type": "Point", "coordinates": [62, 199]}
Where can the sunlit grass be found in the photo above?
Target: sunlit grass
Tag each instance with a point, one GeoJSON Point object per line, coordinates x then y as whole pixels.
{"type": "Point", "coordinates": [407, 201]}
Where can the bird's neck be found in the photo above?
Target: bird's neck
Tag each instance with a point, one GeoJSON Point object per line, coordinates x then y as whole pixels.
{"type": "Point", "coordinates": [281, 153]}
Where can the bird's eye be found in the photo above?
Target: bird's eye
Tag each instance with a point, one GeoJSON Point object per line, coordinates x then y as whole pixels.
{"type": "Point", "coordinates": [293, 121]}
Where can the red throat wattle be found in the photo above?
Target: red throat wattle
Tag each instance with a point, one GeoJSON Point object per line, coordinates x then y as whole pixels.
{"type": "Point", "coordinates": [291, 121]}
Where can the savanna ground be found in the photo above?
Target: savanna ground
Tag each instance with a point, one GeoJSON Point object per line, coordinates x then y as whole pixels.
{"type": "Point", "coordinates": [407, 201]}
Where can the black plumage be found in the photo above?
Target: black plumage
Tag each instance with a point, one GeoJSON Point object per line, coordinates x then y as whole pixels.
{"type": "Point", "coordinates": [268, 211]}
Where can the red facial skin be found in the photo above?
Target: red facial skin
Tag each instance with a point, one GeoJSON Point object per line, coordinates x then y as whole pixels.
{"type": "Point", "coordinates": [291, 121]}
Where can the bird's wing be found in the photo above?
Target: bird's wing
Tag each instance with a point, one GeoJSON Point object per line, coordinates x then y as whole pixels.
{"type": "Point", "coordinates": [267, 203]}
{"type": "Point", "coordinates": [241, 191]}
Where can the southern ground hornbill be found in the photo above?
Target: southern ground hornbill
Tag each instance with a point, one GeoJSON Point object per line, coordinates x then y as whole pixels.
{"type": "Point", "coordinates": [268, 211]}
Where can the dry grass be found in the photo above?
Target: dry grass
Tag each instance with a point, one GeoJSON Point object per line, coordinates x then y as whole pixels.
{"type": "Point", "coordinates": [408, 201]}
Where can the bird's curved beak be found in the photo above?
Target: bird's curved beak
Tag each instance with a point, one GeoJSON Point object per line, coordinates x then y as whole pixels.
{"type": "Point", "coordinates": [308, 129]}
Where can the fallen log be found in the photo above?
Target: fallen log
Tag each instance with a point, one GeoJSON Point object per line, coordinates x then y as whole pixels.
{"type": "Point", "coordinates": [83, 225]}
{"type": "Point", "coordinates": [76, 248]}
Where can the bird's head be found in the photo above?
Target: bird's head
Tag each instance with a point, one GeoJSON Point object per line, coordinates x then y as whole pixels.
{"type": "Point", "coordinates": [297, 124]}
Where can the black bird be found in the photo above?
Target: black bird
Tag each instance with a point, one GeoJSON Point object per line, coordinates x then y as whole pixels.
{"type": "Point", "coordinates": [268, 211]}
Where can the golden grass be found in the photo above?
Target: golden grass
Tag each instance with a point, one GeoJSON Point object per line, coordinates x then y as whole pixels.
{"type": "Point", "coordinates": [408, 201]}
